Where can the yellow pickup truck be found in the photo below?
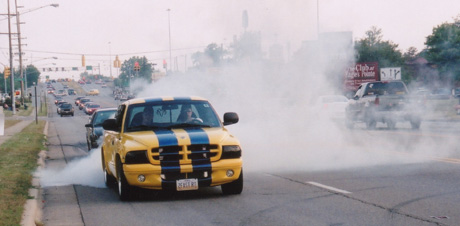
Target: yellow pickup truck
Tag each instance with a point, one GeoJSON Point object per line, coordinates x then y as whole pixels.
{"type": "Point", "coordinates": [170, 143]}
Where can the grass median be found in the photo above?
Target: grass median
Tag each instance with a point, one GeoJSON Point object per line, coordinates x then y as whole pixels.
{"type": "Point", "coordinates": [18, 160]}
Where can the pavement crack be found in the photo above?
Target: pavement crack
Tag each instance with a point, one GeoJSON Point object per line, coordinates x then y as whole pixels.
{"type": "Point", "coordinates": [388, 209]}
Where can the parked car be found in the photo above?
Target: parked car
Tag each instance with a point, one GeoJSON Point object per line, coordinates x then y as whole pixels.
{"type": "Point", "coordinates": [66, 109]}
{"type": "Point", "coordinates": [90, 108]}
{"type": "Point", "coordinates": [94, 128]}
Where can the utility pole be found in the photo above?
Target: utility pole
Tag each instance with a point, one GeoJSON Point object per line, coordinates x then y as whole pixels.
{"type": "Point", "coordinates": [21, 72]}
{"type": "Point", "coordinates": [13, 102]}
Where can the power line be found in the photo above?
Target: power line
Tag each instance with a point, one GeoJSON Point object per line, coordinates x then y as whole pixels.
{"type": "Point", "coordinates": [105, 55]}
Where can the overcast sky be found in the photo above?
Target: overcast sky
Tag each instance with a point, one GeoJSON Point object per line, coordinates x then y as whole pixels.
{"type": "Point", "coordinates": [101, 29]}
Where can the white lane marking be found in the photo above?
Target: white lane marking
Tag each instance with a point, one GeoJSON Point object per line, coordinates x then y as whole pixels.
{"type": "Point", "coordinates": [328, 187]}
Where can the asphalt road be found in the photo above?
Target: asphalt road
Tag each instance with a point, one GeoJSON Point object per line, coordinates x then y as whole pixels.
{"type": "Point", "coordinates": [405, 177]}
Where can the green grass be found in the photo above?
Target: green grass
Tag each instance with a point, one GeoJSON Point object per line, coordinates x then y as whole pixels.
{"type": "Point", "coordinates": [18, 160]}
{"type": "Point", "coordinates": [11, 122]}
{"type": "Point", "coordinates": [43, 111]}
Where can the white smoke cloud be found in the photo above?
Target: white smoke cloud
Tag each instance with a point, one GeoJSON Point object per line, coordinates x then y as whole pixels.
{"type": "Point", "coordinates": [84, 171]}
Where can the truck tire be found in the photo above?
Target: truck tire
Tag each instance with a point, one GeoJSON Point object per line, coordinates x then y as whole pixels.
{"type": "Point", "coordinates": [234, 187]}
{"type": "Point", "coordinates": [124, 189]}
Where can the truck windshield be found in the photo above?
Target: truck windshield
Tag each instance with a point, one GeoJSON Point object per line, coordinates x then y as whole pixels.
{"type": "Point", "coordinates": [391, 88]}
{"type": "Point", "coordinates": [170, 114]}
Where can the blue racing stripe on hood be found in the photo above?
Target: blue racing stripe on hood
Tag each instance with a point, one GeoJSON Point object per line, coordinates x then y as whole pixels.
{"type": "Point", "coordinates": [197, 135]}
{"type": "Point", "coordinates": [203, 162]}
{"type": "Point", "coordinates": [168, 138]}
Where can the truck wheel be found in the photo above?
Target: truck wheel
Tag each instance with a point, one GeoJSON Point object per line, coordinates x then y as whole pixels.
{"type": "Point", "coordinates": [235, 187]}
{"type": "Point", "coordinates": [124, 189]}
{"type": "Point", "coordinates": [108, 179]}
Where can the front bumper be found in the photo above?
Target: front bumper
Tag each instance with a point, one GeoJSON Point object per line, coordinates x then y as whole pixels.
{"type": "Point", "coordinates": [164, 178]}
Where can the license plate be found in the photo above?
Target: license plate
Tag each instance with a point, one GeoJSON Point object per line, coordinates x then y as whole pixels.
{"type": "Point", "coordinates": [187, 184]}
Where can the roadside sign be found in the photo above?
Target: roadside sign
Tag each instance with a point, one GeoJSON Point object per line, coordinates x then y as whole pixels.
{"type": "Point", "coordinates": [390, 73]}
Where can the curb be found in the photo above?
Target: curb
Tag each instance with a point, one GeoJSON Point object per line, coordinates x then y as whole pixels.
{"type": "Point", "coordinates": [32, 214]}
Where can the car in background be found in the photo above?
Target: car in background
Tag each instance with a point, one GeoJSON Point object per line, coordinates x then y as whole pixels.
{"type": "Point", "coordinates": [331, 106]}
{"type": "Point", "coordinates": [94, 127]}
{"type": "Point", "coordinates": [81, 82]}
{"type": "Point", "coordinates": [65, 109]}
{"type": "Point", "coordinates": [59, 104]}
{"type": "Point", "coordinates": [77, 100]}
{"type": "Point", "coordinates": [441, 94]}
{"type": "Point", "coordinates": [103, 85]}
{"type": "Point", "coordinates": [93, 92]}
{"type": "Point", "coordinates": [60, 92]}
{"type": "Point", "coordinates": [66, 86]}
{"type": "Point", "coordinates": [82, 103]}
{"type": "Point", "coordinates": [90, 108]}
{"type": "Point", "coordinates": [57, 99]}
{"type": "Point", "coordinates": [71, 92]}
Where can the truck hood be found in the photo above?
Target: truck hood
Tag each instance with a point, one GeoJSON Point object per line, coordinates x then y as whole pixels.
{"type": "Point", "coordinates": [173, 137]}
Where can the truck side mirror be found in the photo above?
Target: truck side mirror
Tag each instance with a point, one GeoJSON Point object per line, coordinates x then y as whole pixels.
{"type": "Point", "coordinates": [110, 124]}
{"type": "Point", "coordinates": [230, 118]}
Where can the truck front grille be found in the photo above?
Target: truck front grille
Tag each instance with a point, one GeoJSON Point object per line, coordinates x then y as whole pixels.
{"type": "Point", "coordinates": [196, 152]}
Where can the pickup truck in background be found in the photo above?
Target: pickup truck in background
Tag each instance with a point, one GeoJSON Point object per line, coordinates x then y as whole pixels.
{"type": "Point", "coordinates": [386, 102]}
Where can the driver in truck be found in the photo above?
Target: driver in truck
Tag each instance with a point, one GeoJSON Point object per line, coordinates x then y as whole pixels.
{"type": "Point", "coordinates": [187, 114]}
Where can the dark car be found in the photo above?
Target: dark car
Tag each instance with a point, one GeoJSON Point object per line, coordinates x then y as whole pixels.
{"type": "Point", "coordinates": [57, 100]}
{"type": "Point", "coordinates": [71, 92]}
{"type": "Point", "coordinates": [77, 100]}
{"type": "Point", "coordinates": [65, 109]}
{"type": "Point", "coordinates": [90, 108]}
{"type": "Point", "coordinates": [82, 103]}
{"type": "Point", "coordinates": [94, 128]}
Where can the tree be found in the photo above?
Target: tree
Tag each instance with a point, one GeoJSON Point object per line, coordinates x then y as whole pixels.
{"type": "Point", "coordinates": [128, 73]}
{"type": "Point", "coordinates": [443, 50]}
{"type": "Point", "coordinates": [373, 49]}
{"type": "Point", "coordinates": [33, 75]}
{"type": "Point", "coordinates": [248, 46]}
{"type": "Point", "coordinates": [211, 57]}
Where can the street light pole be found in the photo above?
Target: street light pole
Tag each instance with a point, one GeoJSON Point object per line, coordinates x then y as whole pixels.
{"type": "Point", "coordinates": [110, 59]}
{"type": "Point", "coordinates": [169, 28]}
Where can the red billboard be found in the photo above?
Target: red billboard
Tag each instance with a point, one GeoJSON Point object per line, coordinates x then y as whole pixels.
{"type": "Point", "coordinates": [360, 73]}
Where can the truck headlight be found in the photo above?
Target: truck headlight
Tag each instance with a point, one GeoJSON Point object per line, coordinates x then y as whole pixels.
{"type": "Point", "coordinates": [231, 152]}
{"type": "Point", "coordinates": [137, 157]}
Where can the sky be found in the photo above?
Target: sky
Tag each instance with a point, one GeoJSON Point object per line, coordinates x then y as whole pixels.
{"type": "Point", "coordinates": [102, 29]}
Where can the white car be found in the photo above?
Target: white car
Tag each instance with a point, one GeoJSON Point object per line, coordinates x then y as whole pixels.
{"type": "Point", "coordinates": [332, 106]}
